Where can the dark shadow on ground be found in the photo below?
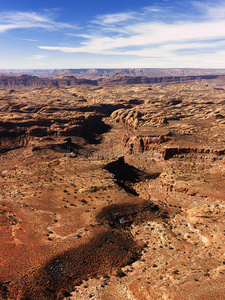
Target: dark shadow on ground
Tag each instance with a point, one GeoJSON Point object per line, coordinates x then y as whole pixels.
{"type": "Point", "coordinates": [126, 175]}
{"type": "Point", "coordinates": [112, 246]}
{"type": "Point", "coordinates": [92, 134]}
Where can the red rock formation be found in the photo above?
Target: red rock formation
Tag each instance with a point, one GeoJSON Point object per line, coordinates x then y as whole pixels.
{"type": "Point", "coordinates": [28, 81]}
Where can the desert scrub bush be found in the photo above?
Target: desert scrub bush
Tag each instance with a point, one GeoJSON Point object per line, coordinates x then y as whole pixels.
{"type": "Point", "coordinates": [65, 293]}
{"type": "Point", "coordinates": [84, 201]}
{"type": "Point", "coordinates": [165, 215]}
{"type": "Point", "coordinates": [120, 273]}
{"type": "Point", "coordinates": [132, 258]}
{"type": "Point", "coordinates": [145, 245]}
{"type": "Point", "coordinates": [95, 275]}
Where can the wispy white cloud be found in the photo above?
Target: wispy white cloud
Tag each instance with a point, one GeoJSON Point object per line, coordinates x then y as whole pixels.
{"type": "Point", "coordinates": [152, 9]}
{"type": "Point", "coordinates": [28, 40]}
{"type": "Point", "coordinates": [86, 36]}
{"type": "Point", "coordinates": [200, 37]}
{"type": "Point", "coordinates": [215, 10]}
{"type": "Point", "coordinates": [25, 20]}
{"type": "Point", "coordinates": [115, 18]}
{"type": "Point", "coordinates": [37, 57]}
{"type": "Point", "coordinates": [150, 35]}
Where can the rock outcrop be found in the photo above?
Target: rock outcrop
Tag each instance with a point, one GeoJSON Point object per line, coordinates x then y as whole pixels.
{"type": "Point", "coordinates": [109, 73]}
{"type": "Point", "coordinates": [107, 191]}
{"type": "Point", "coordinates": [29, 81]}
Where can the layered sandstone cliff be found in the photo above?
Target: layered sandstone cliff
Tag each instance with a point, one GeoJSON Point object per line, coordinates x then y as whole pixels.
{"type": "Point", "coordinates": [29, 81]}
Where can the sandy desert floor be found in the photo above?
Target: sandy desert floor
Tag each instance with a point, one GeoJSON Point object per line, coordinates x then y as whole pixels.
{"type": "Point", "coordinates": [112, 193]}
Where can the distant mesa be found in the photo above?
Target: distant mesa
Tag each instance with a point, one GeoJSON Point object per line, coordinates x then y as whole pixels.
{"type": "Point", "coordinates": [109, 73]}
{"type": "Point", "coordinates": [19, 79]}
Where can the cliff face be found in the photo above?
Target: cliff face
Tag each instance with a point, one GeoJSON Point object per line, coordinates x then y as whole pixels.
{"type": "Point", "coordinates": [35, 117]}
{"type": "Point", "coordinates": [15, 134]}
{"type": "Point", "coordinates": [124, 80]}
{"type": "Point", "coordinates": [28, 81]}
{"type": "Point", "coordinates": [109, 73]}
{"type": "Point", "coordinates": [103, 182]}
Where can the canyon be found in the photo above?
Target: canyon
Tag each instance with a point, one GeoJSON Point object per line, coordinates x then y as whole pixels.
{"type": "Point", "coordinates": [110, 73]}
{"type": "Point", "coordinates": [112, 188]}
{"type": "Point", "coordinates": [28, 81]}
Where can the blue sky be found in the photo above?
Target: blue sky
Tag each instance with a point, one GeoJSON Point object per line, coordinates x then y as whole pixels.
{"type": "Point", "coordinates": [112, 34]}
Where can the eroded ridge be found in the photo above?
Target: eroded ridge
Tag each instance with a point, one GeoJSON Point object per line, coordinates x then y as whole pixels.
{"type": "Point", "coordinates": [112, 192]}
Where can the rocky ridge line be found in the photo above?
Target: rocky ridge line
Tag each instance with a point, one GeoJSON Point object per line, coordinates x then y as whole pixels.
{"type": "Point", "coordinates": [29, 81]}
